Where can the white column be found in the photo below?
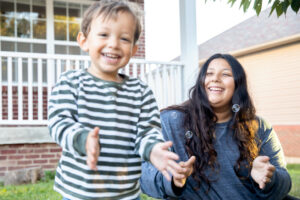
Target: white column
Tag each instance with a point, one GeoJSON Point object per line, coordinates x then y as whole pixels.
{"type": "Point", "coordinates": [188, 44]}
{"type": "Point", "coordinates": [50, 26]}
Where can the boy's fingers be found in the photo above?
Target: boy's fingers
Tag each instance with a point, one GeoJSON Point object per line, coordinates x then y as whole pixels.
{"type": "Point", "coordinates": [166, 174]}
{"type": "Point", "coordinates": [172, 156]}
{"type": "Point", "coordinates": [95, 132]}
{"type": "Point", "coordinates": [174, 165]}
{"type": "Point", "coordinates": [167, 144]}
{"type": "Point", "coordinates": [174, 173]}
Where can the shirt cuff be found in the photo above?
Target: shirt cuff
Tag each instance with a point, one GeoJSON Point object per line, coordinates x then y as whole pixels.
{"type": "Point", "coordinates": [79, 142]}
{"type": "Point", "coordinates": [171, 190]}
{"type": "Point", "coordinates": [148, 149]}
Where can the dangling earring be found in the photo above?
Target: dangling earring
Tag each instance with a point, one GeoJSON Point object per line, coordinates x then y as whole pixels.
{"type": "Point", "coordinates": [188, 134]}
{"type": "Point", "coordinates": [235, 108]}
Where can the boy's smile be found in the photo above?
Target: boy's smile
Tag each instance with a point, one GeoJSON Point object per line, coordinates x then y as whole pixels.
{"type": "Point", "coordinates": [110, 44]}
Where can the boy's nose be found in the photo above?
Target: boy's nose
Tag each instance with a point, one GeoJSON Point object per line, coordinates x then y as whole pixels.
{"type": "Point", "coordinates": [113, 42]}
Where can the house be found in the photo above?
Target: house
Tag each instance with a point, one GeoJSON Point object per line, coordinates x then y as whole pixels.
{"type": "Point", "coordinates": [269, 49]}
{"type": "Point", "coordinates": [38, 43]}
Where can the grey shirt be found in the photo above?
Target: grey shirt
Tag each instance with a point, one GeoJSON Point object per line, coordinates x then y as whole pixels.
{"type": "Point", "coordinates": [227, 185]}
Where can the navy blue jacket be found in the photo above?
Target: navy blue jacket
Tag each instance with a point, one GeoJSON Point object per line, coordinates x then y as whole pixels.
{"type": "Point", "coordinates": [227, 185]}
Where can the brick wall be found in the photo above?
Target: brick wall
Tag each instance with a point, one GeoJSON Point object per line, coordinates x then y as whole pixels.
{"type": "Point", "coordinates": [289, 137]}
{"type": "Point", "coordinates": [19, 156]}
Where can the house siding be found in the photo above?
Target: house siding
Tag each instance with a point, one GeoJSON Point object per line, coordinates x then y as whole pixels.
{"type": "Point", "coordinates": [274, 83]}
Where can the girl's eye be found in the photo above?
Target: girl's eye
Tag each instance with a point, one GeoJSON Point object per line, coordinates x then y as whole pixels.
{"type": "Point", "coordinates": [226, 74]}
{"type": "Point", "coordinates": [208, 73]}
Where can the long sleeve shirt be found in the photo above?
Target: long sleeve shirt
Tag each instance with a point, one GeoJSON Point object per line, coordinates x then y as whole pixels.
{"type": "Point", "coordinates": [129, 123]}
{"type": "Point", "coordinates": [227, 184]}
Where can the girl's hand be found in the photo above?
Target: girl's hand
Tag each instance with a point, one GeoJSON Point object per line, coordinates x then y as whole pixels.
{"type": "Point", "coordinates": [187, 171]}
{"type": "Point", "coordinates": [262, 171]}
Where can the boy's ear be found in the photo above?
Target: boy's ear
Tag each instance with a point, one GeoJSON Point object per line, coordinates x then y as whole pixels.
{"type": "Point", "coordinates": [82, 41]}
{"type": "Point", "coordinates": [134, 49]}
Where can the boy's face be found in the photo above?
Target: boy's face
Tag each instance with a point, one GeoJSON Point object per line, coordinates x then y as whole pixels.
{"type": "Point", "coordinates": [110, 44]}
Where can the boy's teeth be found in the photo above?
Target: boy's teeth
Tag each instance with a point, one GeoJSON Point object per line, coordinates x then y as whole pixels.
{"type": "Point", "coordinates": [110, 55]}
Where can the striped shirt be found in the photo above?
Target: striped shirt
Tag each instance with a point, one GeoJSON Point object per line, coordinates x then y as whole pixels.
{"type": "Point", "coordinates": [129, 123]}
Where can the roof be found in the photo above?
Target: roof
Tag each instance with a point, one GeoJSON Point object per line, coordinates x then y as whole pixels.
{"type": "Point", "coordinates": [253, 31]}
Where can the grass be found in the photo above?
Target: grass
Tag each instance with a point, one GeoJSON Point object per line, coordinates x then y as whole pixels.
{"type": "Point", "coordinates": [43, 190]}
{"type": "Point", "coordinates": [294, 171]}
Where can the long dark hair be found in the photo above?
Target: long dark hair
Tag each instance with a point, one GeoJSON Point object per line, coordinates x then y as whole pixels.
{"type": "Point", "coordinates": [201, 120]}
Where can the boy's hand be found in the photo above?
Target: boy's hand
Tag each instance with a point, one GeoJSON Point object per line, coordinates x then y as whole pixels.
{"type": "Point", "coordinates": [92, 147]}
{"type": "Point", "coordinates": [262, 171]}
{"type": "Point", "coordinates": [163, 160]}
{"type": "Point", "coordinates": [187, 171]}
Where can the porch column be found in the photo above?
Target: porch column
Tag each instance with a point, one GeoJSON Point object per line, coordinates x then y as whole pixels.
{"type": "Point", "coordinates": [50, 27]}
{"type": "Point", "coordinates": [188, 44]}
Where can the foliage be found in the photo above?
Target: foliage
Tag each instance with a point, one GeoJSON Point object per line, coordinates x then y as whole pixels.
{"type": "Point", "coordinates": [280, 6]}
{"type": "Point", "coordinates": [294, 171]}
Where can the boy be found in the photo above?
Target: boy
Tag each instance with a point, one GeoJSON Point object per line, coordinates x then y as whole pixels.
{"type": "Point", "coordinates": [107, 122]}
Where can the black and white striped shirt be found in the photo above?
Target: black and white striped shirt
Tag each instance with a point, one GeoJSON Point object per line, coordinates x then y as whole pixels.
{"type": "Point", "coordinates": [129, 123]}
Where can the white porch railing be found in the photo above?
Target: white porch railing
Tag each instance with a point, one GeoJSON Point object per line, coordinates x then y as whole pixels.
{"type": "Point", "coordinates": [26, 81]}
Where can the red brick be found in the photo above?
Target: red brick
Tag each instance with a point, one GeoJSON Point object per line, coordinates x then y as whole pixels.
{"type": "Point", "coordinates": [2, 168]}
{"type": "Point", "coordinates": [48, 156]}
{"type": "Point", "coordinates": [3, 157]}
{"type": "Point", "coordinates": [40, 161]}
{"type": "Point", "coordinates": [41, 150]}
{"type": "Point", "coordinates": [24, 162]}
{"type": "Point", "coordinates": [26, 151]}
{"type": "Point", "coordinates": [15, 168]}
{"type": "Point", "coordinates": [53, 160]}
{"type": "Point", "coordinates": [15, 157]}
{"type": "Point", "coordinates": [32, 156]}
{"type": "Point", "coordinates": [55, 150]}
{"type": "Point", "coordinates": [10, 151]}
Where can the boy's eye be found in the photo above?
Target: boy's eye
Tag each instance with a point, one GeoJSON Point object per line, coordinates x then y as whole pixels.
{"type": "Point", "coordinates": [103, 34]}
{"type": "Point", "coordinates": [125, 39]}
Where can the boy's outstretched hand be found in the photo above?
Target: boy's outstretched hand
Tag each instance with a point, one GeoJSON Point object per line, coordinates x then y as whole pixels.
{"type": "Point", "coordinates": [262, 171]}
{"type": "Point", "coordinates": [164, 160]}
{"type": "Point", "coordinates": [187, 171]}
{"type": "Point", "coordinates": [92, 147]}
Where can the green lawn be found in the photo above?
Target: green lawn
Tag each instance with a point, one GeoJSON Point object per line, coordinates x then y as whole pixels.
{"type": "Point", "coordinates": [43, 190]}
{"type": "Point", "coordinates": [294, 171]}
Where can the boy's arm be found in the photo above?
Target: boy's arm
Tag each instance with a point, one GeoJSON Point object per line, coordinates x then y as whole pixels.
{"type": "Point", "coordinates": [149, 136]}
{"type": "Point", "coordinates": [63, 117]}
{"type": "Point", "coordinates": [148, 126]}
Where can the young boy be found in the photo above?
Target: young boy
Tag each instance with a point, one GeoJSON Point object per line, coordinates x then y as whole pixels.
{"type": "Point", "coordinates": [106, 122]}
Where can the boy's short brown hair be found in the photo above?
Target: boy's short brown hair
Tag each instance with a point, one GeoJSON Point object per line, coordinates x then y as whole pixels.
{"type": "Point", "coordinates": [110, 9]}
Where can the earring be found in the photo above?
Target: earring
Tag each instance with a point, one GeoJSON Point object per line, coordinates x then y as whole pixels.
{"type": "Point", "coordinates": [188, 135]}
{"type": "Point", "coordinates": [235, 108]}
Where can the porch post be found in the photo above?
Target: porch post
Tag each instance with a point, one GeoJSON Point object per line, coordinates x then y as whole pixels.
{"type": "Point", "coordinates": [188, 44]}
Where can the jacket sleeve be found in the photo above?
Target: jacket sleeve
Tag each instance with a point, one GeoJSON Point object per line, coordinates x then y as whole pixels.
{"type": "Point", "coordinates": [280, 183]}
{"type": "Point", "coordinates": [63, 122]}
{"type": "Point", "coordinates": [148, 126]}
{"type": "Point", "coordinates": [153, 183]}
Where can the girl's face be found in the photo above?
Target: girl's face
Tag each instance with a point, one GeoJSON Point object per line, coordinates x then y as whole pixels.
{"type": "Point", "coordinates": [219, 84]}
